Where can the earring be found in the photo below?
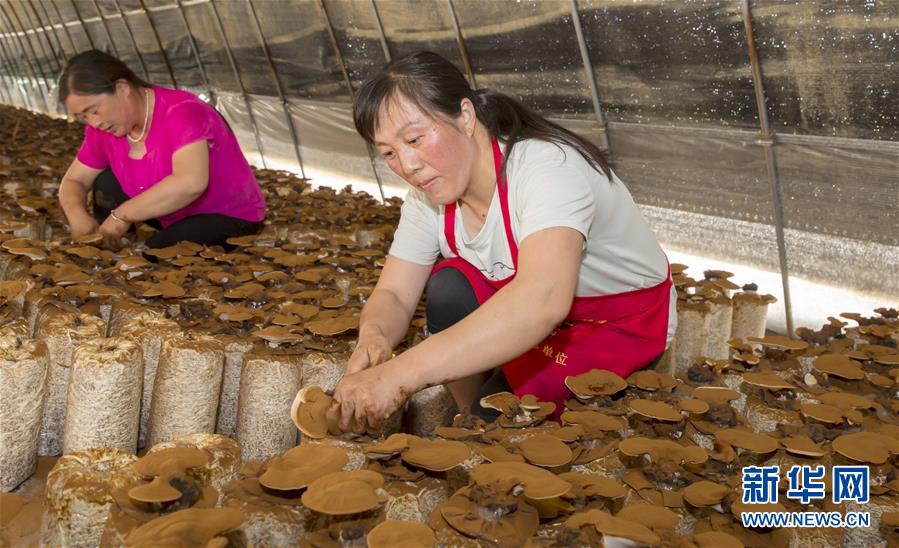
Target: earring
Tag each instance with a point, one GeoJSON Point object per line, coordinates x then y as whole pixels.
{"type": "Point", "coordinates": [470, 131]}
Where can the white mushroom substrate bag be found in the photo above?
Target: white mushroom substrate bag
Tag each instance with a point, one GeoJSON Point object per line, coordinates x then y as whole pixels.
{"type": "Point", "coordinates": [188, 384]}
{"type": "Point", "coordinates": [103, 403]}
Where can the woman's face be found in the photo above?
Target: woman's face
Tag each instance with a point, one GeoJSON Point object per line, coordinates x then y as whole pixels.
{"type": "Point", "coordinates": [106, 111]}
{"type": "Point", "coordinates": [432, 153]}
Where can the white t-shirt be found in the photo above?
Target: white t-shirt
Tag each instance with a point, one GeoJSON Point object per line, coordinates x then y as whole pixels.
{"type": "Point", "coordinates": [549, 186]}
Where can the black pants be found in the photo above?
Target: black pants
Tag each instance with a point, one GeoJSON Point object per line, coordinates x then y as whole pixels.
{"type": "Point", "coordinates": [451, 298]}
{"type": "Point", "coordinates": [205, 228]}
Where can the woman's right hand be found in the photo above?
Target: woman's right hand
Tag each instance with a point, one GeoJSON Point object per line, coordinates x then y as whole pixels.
{"type": "Point", "coordinates": [83, 225]}
{"type": "Point", "coordinates": [372, 348]}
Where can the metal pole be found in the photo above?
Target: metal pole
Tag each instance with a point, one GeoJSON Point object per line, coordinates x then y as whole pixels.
{"type": "Point", "coordinates": [37, 81]}
{"type": "Point", "coordinates": [7, 89]}
{"type": "Point", "coordinates": [62, 23]}
{"type": "Point", "coordinates": [14, 62]}
{"type": "Point", "coordinates": [284, 104]}
{"type": "Point", "coordinates": [196, 52]}
{"type": "Point", "coordinates": [243, 90]}
{"type": "Point", "coordinates": [24, 35]}
{"type": "Point", "coordinates": [43, 29]}
{"type": "Point", "coordinates": [90, 39]}
{"type": "Point", "coordinates": [165, 57]}
{"type": "Point", "coordinates": [591, 77]}
{"type": "Point", "coordinates": [140, 58]}
{"type": "Point", "coordinates": [768, 140]}
{"type": "Point", "coordinates": [112, 45]}
{"type": "Point", "coordinates": [381, 35]}
{"type": "Point", "coordinates": [349, 86]}
{"type": "Point", "coordinates": [460, 42]}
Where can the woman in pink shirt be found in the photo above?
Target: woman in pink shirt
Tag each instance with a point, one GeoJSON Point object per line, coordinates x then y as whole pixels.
{"type": "Point", "coordinates": [155, 155]}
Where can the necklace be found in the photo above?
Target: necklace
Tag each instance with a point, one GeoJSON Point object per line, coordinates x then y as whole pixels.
{"type": "Point", "coordinates": [146, 118]}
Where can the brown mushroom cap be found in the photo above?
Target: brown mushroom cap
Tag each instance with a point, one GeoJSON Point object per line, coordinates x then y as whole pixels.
{"type": "Point", "coordinates": [496, 453]}
{"type": "Point", "coordinates": [593, 421]}
{"type": "Point", "coordinates": [693, 406]}
{"type": "Point", "coordinates": [10, 506]}
{"type": "Point", "coordinates": [11, 289]}
{"type": "Point", "coordinates": [839, 365]}
{"type": "Point", "coordinates": [278, 334]}
{"type": "Point", "coordinates": [716, 539]}
{"type": "Point", "coordinates": [538, 483]}
{"type": "Point", "coordinates": [750, 441]}
{"type": "Point", "coordinates": [866, 447]}
{"type": "Point", "coordinates": [705, 493]}
{"type": "Point", "coordinates": [822, 412]}
{"type": "Point", "coordinates": [662, 450]}
{"type": "Point", "coordinates": [651, 515]}
{"type": "Point", "coordinates": [716, 394]}
{"type": "Point", "coordinates": [891, 358]}
{"type": "Point", "coordinates": [169, 461]}
{"type": "Point", "coordinates": [309, 412]}
{"type": "Point", "coordinates": [511, 528]}
{"type": "Point", "coordinates": [802, 445]}
{"type": "Point", "coordinates": [595, 486]}
{"type": "Point", "coordinates": [395, 443]}
{"type": "Point", "coordinates": [846, 400]}
{"type": "Point", "coordinates": [747, 357]}
{"type": "Point", "coordinates": [651, 380]}
{"type": "Point", "coordinates": [504, 402]}
{"type": "Point", "coordinates": [157, 491]}
{"type": "Point", "coordinates": [435, 455]}
{"type": "Point", "coordinates": [546, 450]}
{"type": "Point", "coordinates": [613, 526]}
{"type": "Point", "coordinates": [568, 433]}
{"type": "Point", "coordinates": [393, 533]}
{"type": "Point", "coordinates": [780, 342]}
{"type": "Point", "coordinates": [343, 493]}
{"type": "Point", "coordinates": [767, 380]}
{"type": "Point", "coordinates": [655, 410]}
{"type": "Point", "coordinates": [333, 326]}
{"type": "Point", "coordinates": [301, 465]}
{"type": "Point", "coordinates": [596, 382]}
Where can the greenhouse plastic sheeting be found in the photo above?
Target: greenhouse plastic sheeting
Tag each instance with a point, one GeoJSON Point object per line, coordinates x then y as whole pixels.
{"type": "Point", "coordinates": [672, 81]}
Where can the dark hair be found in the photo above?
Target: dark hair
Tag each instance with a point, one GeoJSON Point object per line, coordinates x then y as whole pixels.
{"type": "Point", "coordinates": [94, 72]}
{"type": "Point", "coordinates": [434, 84]}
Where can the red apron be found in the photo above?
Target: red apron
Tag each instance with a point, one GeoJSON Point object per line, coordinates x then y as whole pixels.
{"type": "Point", "coordinates": [620, 333]}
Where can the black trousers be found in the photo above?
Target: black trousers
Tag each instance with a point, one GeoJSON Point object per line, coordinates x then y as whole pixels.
{"type": "Point", "coordinates": [451, 298]}
{"type": "Point", "coordinates": [205, 228]}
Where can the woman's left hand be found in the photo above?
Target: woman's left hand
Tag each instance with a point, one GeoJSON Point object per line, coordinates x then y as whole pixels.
{"type": "Point", "coordinates": [112, 231]}
{"type": "Point", "coordinates": [364, 400]}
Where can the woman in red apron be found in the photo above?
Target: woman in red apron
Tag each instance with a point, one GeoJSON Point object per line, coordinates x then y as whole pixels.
{"type": "Point", "coordinates": [549, 271]}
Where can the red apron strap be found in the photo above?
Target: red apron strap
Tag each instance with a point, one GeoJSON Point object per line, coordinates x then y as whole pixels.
{"type": "Point", "coordinates": [502, 187]}
{"type": "Point", "coordinates": [449, 227]}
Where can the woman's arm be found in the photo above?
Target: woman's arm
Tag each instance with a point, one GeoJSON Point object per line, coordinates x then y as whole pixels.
{"type": "Point", "coordinates": [386, 315]}
{"type": "Point", "coordinates": [73, 189]}
{"type": "Point", "coordinates": [189, 179]}
{"type": "Point", "coordinates": [509, 324]}
{"type": "Point", "coordinates": [514, 320]}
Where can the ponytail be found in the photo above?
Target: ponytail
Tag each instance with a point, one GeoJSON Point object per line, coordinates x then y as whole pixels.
{"type": "Point", "coordinates": [505, 117]}
{"type": "Point", "coordinates": [436, 86]}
